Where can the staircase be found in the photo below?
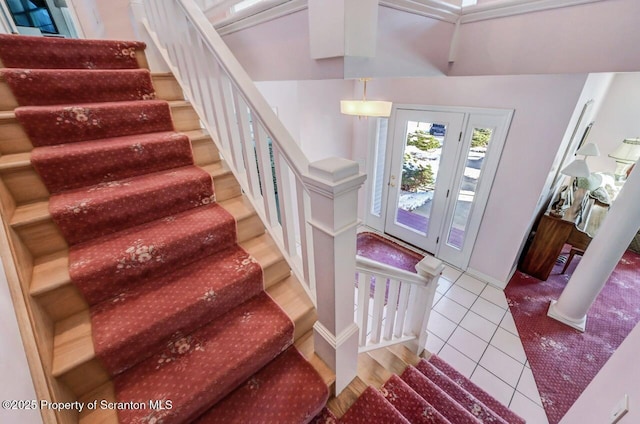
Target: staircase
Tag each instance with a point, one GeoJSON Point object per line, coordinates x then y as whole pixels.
{"type": "Point", "coordinates": [140, 280]}
{"type": "Point", "coordinates": [396, 386]}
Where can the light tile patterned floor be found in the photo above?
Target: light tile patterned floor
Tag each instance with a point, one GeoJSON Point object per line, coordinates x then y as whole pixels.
{"type": "Point", "coordinates": [472, 329]}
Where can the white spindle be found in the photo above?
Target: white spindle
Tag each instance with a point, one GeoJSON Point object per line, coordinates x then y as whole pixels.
{"type": "Point", "coordinates": [285, 199]}
{"type": "Point", "coordinates": [403, 304]}
{"type": "Point", "coordinates": [248, 148]}
{"type": "Point", "coordinates": [378, 309]}
{"type": "Point", "coordinates": [304, 212]}
{"type": "Point", "coordinates": [364, 292]}
{"type": "Point", "coordinates": [266, 174]}
{"type": "Point", "coordinates": [235, 144]}
{"type": "Point", "coordinates": [392, 308]}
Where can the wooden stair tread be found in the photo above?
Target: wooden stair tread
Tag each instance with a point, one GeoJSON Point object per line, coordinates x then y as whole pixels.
{"type": "Point", "coordinates": [371, 371]}
{"type": "Point", "coordinates": [292, 299]}
{"type": "Point", "coordinates": [73, 342]}
{"type": "Point", "coordinates": [305, 345]}
{"type": "Point", "coordinates": [39, 211]}
{"type": "Point", "coordinates": [16, 160]}
{"type": "Point", "coordinates": [52, 271]}
{"type": "Point", "coordinates": [10, 115]}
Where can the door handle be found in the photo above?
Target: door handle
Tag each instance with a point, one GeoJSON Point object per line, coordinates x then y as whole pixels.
{"type": "Point", "coordinates": [391, 183]}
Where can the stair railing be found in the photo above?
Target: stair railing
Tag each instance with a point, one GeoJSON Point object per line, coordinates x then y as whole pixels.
{"type": "Point", "coordinates": [309, 209]}
{"type": "Point", "coordinates": [393, 305]}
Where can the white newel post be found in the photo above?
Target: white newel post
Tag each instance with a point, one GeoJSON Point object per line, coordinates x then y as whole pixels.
{"type": "Point", "coordinates": [429, 268]}
{"type": "Point", "coordinates": [333, 185]}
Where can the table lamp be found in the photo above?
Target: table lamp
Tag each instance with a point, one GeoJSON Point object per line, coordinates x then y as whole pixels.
{"type": "Point", "coordinates": [625, 155]}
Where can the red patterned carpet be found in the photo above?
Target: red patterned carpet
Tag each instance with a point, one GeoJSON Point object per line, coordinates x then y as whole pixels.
{"type": "Point", "coordinates": [178, 310]}
{"type": "Point", "coordinates": [564, 360]}
{"type": "Point", "coordinates": [430, 392]}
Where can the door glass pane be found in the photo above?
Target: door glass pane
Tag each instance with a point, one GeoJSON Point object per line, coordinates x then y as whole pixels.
{"type": "Point", "coordinates": [421, 159]}
{"type": "Point", "coordinates": [468, 185]}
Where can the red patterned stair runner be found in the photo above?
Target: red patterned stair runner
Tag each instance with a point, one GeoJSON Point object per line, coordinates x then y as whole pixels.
{"type": "Point", "coordinates": [177, 308]}
{"type": "Point", "coordinates": [431, 392]}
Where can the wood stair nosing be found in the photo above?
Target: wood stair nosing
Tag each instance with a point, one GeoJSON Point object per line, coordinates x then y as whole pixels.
{"type": "Point", "coordinates": [75, 363]}
{"type": "Point", "coordinates": [281, 294]}
{"type": "Point", "coordinates": [37, 231]}
{"type": "Point", "coordinates": [51, 283]}
{"type": "Point", "coordinates": [25, 185]}
{"type": "Point", "coordinates": [73, 344]}
{"type": "Point", "coordinates": [164, 84]}
{"type": "Point", "coordinates": [305, 344]}
{"type": "Point", "coordinates": [13, 138]}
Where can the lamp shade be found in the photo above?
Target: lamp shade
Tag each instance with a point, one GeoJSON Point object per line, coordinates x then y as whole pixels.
{"type": "Point", "coordinates": [628, 151]}
{"type": "Point", "coordinates": [365, 108]}
{"type": "Point", "coordinates": [589, 149]}
{"type": "Point", "coordinates": [577, 168]}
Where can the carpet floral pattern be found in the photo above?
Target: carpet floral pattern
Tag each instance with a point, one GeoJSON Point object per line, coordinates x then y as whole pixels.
{"type": "Point", "coordinates": [564, 360]}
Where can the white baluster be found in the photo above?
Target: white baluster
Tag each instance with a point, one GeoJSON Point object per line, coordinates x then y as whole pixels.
{"type": "Point", "coordinates": [392, 307]}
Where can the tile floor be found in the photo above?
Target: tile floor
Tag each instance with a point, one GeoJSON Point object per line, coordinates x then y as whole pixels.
{"type": "Point", "coordinates": [471, 327]}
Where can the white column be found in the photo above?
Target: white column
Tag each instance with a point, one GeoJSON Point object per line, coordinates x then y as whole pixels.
{"type": "Point", "coordinates": [333, 188]}
{"type": "Point", "coordinates": [602, 256]}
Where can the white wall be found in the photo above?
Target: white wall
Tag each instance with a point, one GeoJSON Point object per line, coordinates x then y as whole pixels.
{"type": "Point", "coordinates": [310, 110]}
{"type": "Point", "coordinates": [619, 375]}
{"type": "Point", "coordinates": [617, 119]}
{"type": "Point", "coordinates": [595, 37]}
{"type": "Point", "coordinates": [15, 380]}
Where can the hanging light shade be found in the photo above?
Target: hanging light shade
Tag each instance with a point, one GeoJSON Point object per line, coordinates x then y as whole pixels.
{"type": "Point", "coordinates": [365, 107]}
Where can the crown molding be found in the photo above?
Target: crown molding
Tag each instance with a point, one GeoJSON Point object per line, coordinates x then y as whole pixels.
{"type": "Point", "coordinates": [504, 8]}
{"type": "Point", "coordinates": [260, 13]}
{"type": "Point", "coordinates": [436, 9]}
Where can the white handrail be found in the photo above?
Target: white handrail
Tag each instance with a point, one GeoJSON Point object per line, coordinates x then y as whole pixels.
{"type": "Point", "coordinates": [295, 199]}
{"type": "Point", "coordinates": [241, 80]}
{"type": "Point", "coordinates": [388, 271]}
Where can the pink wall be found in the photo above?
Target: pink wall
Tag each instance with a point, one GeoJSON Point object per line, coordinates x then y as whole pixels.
{"type": "Point", "coordinates": [279, 50]}
{"type": "Point", "coordinates": [406, 47]}
{"type": "Point", "coordinates": [15, 382]}
{"type": "Point", "coordinates": [543, 107]}
{"type": "Point", "coordinates": [595, 37]}
{"type": "Point", "coordinates": [104, 19]}
{"type": "Point", "coordinates": [311, 112]}
{"type": "Point", "coordinates": [616, 120]}
{"type": "Point", "coordinates": [619, 376]}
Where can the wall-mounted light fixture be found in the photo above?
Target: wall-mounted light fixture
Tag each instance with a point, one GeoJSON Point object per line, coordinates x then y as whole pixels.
{"type": "Point", "coordinates": [365, 107]}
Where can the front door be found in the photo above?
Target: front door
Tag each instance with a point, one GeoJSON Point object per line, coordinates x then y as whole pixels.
{"type": "Point", "coordinates": [440, 174]}
{"type": "Point", "coordinates": [422, 160]}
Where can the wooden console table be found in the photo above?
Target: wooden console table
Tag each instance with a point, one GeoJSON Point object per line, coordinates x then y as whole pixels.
{"type": "Point", "coordinates": [547, 244]}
